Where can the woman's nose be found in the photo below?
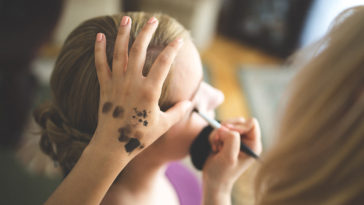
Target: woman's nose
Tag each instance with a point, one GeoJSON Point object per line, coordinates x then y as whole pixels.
{"type": "Point", "coordinates": [216, 99]}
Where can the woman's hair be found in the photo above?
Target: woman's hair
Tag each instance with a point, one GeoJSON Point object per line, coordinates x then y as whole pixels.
{"type": "Point", "coordinates": [319, 154]}
{"type": "Point", "coordinates": [70, 119]}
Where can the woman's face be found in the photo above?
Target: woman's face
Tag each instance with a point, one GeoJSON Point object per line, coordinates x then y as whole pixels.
{"type": "Point", "coordinates": [186, 84]}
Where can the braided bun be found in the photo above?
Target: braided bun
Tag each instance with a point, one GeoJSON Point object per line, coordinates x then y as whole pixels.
{"type": "Point", "coordinates": [63, 143]}
{"type": "Point", "coordinates": [69, 122]}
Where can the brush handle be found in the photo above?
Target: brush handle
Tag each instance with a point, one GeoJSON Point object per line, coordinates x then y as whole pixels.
{"type": "Point", "coordinates": [247, 150]}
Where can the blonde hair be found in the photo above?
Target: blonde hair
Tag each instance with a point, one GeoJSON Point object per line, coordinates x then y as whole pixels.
{"type": "Point", "coordinates": [319, 154]}
{"type": "Point", "coordinates": [70, 119]}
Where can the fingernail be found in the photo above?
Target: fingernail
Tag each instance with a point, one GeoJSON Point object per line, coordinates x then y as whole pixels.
{"type": "Point", "coordinates": [99, 37]}
{"type": "Point", "coordinates": [152, 20]}
{"type": "Point", "coordinates": [229, 125]}
{"type": "Point", "coordinates": [223, 129]}
{"type": "Point", "coordinates": [125, 20]}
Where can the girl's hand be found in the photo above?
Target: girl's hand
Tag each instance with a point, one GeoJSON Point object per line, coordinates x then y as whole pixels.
{"type": "Point", "coordinates": [227, 163]}
{"type": "Point", "coordinates": [129, 117]}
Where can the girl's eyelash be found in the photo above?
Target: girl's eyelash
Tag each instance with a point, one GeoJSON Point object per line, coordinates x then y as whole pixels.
{"type": "Point", "coordinates": [192, 111]}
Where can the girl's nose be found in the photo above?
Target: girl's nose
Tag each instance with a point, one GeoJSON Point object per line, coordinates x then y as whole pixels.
{"type": "Point", "coordinates": [217, 99]}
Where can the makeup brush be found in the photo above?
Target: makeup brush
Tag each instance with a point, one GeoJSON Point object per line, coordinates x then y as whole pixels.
{"type": "Point", "coordinates": [215, 124]}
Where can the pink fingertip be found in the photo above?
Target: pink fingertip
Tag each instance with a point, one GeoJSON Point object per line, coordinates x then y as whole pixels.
{"type": "Point", "coordinates": [229, 125]}
{"type": "Point", "coordinates": [125, 20]}
{"type": "Point", "coordinates": [152, 20]}
{"type": "Point", "coordinates": [223, 129]}
{"type": "Point", "coordinates": [99, 37]}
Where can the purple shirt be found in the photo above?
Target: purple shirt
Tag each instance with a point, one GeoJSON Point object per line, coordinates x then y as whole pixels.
{"type": "Point", "coordinates": [185, 183]}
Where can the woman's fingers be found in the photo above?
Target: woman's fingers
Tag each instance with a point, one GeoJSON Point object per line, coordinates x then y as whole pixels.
{"type": "Point", "coordinates": [162, 64]}
{"type": "Point", "coordinates": [120, 58]}
{"type": "Point", "coordinates": [235, 120]}
{"type": "Point", "coordinates": [242, 128]}
{"type": "Point", "coordinates": [251, 129]}
{"type": "Point", "coordinates": [253, 139]}
{"type": "Point", "coordinates": [255, 132]}
{"type": "Point", "coordinates": [231, 143]}
{"type": "Point", "coordinates": [102, 67]}
{"type": "Point", "coordinates": [214, 140]}
{"type": "Point", "coordinates": [139, 49]}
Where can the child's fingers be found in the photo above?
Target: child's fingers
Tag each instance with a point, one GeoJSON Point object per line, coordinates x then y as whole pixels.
{"type": "Point", "coordinates": [120, 59]}
{"type": "Point", "coordinates": [159, 71]}
{"type": "Point", "coordinates": [139, 48]}
{"type": "Point", "coordinates": [102, 67]}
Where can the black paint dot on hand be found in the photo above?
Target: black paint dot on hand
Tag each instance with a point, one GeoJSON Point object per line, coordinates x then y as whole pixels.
{"type": "Point", "coordinates": [144, 114]}
{"type": "Point", "coordinates": [118, 112]}
{"type": "Point", "coordinates": [124, 132]}
{"type": "Point", "coordinates": [140, 114]}
{"type": "Point", "coordinates": [140, 120]}
{"type": "Point", "coordinates": [126, 129]}
{"type": "Point", "coordinates": [134, 116]}
{"type": "Point", "coordinates": [123, 138]}
{"type": "Point", "coordinates": [145, 123]}
{"type": "Point", "coordinates": [132, 144]}
{"type": "Point", "coordinates": [106, 107]}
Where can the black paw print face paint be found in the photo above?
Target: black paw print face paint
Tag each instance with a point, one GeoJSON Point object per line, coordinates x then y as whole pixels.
{"type": "Point", "coordinates": [127, 133]}
{"type": "Point", "coordinates": [118, 112]}
{"type": "Point", "coordinates": [124, 133]}
{"type": "Point", "coordinates": [132, 142]}
{"type": "Point", "coordinates": [141, 116]}
{"type": "Point", "coordinates": [132, 145]}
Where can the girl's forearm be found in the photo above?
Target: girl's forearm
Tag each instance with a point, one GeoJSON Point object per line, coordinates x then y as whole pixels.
{"type": "Point", "coordinates": [90, 178]}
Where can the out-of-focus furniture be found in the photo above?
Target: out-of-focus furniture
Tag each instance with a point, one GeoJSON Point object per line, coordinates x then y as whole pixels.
{"type": "Point", "coordinates": [77, 11]}
{"type": "Point", "coordinates": [273, 26]}
{"type": "Point", "coordinates": [198, 16]}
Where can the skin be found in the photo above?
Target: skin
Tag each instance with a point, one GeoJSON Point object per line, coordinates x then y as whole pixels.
{"type": "Point", "coordinates": [227, 163]}
{"type": "Point", "coordinates": [174, 144]}
{"type": "Point", "coordinates": [106, 155]}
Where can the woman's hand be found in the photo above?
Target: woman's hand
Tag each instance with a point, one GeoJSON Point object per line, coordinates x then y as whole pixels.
{"type": "Point", "coordinates": [129, 115]}
{"type": "Point", "coordinates": [227, 163]}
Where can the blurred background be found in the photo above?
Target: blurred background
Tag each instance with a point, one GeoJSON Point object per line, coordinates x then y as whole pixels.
{"type": "Point", "coordinates": [243, 44]}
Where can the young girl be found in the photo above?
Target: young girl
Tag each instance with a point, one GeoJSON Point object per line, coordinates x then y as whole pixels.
{"type": "Point", "coordinates": [318, 158]}
{"type": "Point", "coordinates": [70, 120]}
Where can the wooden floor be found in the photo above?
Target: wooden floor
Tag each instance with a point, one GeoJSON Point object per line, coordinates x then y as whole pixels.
{"type": "Point", "coordinates": [223, 59]}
